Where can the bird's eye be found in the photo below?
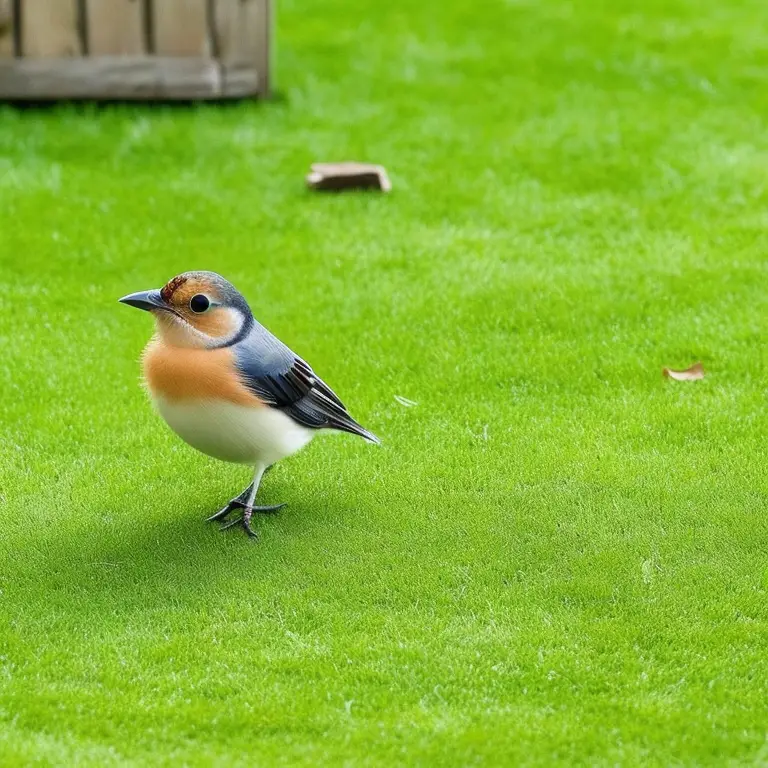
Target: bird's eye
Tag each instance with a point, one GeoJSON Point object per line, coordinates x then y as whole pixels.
{"type": "Point", "coordinates": [199, 303]}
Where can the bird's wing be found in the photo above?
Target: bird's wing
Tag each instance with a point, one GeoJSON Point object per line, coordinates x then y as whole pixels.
{"type": "Point", "coordinates": [284, 381]}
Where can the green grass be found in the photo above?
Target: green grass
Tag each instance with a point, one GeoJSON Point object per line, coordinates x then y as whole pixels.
{"type": "Point", "coordinates": [556, 557]}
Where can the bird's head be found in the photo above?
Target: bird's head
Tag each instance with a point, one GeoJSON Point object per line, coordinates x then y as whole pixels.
{"type": "Point", "coordinates": [196, 309]}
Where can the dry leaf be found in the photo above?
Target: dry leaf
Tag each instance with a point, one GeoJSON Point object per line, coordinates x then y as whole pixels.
{"type": "Point", "coordinates": [334, 177]}
{"type": "Point", "coordinates": [405, 401]}
{"type": "Point", "coordinates": [694, 373]}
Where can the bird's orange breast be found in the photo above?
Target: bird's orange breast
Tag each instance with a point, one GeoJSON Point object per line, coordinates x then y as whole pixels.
{"type": "Point", "coordinates": [179, 373]}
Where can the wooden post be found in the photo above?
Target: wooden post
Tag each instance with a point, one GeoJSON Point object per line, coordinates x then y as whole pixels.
{"type": "Point", "coordinates": [261, 41]}
{"type": "Point", "coordinates": [134, 49]}
{"type": "Point", "coordinates": [242, 38]}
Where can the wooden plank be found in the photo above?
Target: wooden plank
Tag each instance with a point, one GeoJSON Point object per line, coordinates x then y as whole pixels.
{"type": "Point", "coordinates": [335, 177]}
{"type": "Point", "coordinates": [6, 28]}
{"type": "Point", "coordinates": [181, 28]}
{"type": "Point", "coordinates": [234, 48]}
{"type": "Point", "coordinates": [115, 27]}
{"type": "Point", "coordinates": [242, 30]}
{"type": "Point", "coordinates": [239, 81]}
{"type": "Point", "coordinates": [49, 28]}
{"type": "Point", "coordinates": [110, 77]}
{"type": "Point", "coordinates": [262, 32]}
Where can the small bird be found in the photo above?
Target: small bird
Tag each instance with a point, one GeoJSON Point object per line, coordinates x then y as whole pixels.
{"type": "Point", "coordinates": [228, 387]}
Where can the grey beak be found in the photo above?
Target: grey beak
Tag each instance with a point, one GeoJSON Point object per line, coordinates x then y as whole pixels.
{"type": "Point", "coordinates": [148, 300]}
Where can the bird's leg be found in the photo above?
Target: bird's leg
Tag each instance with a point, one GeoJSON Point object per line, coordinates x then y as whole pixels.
{"type": "Point", "coordinates": [247, 504]}
{"type": "Point", "coordinates": [237, 503]}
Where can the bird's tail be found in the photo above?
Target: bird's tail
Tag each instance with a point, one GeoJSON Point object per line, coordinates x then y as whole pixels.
{"type": "Point", "coordinates": [366, 435]}
{"type": "Point", "coordinates": [328, 416]}
{"type": "Point", "coordinates": [322, 409]}
{"type": "Point", "coordinates": [346, 423]}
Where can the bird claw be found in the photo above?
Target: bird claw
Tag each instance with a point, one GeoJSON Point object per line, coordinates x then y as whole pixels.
{"type": "Point", "coordinates": [241, 521]}
{"type": "Point", "coordinates": [245, 520]}
{"type": "Point", "coordinates": [238, 502]}
{"type": "Point", "coordinates": [241, 502]}
{"type": "Point", "coordinates": [221, 514]}
{"type": "Point", "coordinates": [271, 510]}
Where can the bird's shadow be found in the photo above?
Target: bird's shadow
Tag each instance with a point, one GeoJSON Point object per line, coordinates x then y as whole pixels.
{"type": "Point", "coordinates": [168, 559]}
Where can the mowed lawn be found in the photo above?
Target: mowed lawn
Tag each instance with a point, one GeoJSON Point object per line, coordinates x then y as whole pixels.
{"type": "Point", "coordinates": [556, 556]}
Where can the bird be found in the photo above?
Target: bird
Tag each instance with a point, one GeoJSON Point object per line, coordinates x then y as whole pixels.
{"type": "Point", "coordinates": [230, 388]}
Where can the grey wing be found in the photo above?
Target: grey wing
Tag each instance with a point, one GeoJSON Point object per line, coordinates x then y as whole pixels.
{"type": "Point", "coordinates": [284, 381]}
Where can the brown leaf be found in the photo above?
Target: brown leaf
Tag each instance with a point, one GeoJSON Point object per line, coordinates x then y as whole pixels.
{"type": "Point", "coordinates": [335, 177]}
{"type": "Point", "coordinates": [694, 373]}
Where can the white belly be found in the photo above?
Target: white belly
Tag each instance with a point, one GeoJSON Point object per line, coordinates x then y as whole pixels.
{"type": "Point", "coordinates": [237, 433]}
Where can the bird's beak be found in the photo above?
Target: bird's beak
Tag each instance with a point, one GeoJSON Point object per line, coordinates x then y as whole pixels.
{"type": "Point", "coordinates": [148, 300]}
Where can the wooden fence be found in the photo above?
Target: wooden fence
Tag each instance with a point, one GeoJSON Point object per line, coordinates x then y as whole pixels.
{"type": "Point", "coordinates": [134, 49]}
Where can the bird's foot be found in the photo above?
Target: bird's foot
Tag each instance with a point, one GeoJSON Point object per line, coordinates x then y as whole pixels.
{"type": "Point", "coordinates": [245, 520]}
{"type": "Point", "coordinates": [237, 503]}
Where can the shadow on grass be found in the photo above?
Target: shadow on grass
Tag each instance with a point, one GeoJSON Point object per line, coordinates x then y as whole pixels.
{"type": "Point", "coordinates": [100, 564]}
{"type": "Point", "coordinates": [93, 106]}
